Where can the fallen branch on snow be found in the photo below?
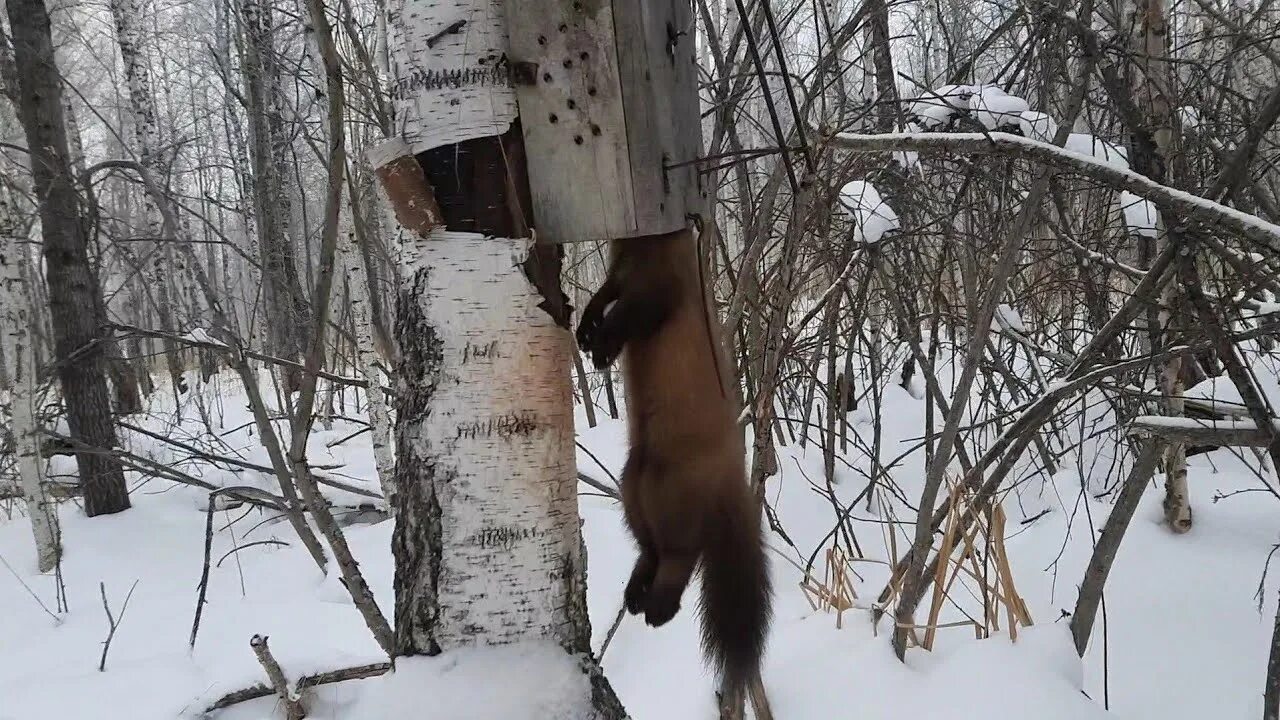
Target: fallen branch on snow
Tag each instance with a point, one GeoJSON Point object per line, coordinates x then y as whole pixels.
{"type": "Point", "coordinates": [292, 699]}
{"type": "Point", "coordinates": [360, 672]}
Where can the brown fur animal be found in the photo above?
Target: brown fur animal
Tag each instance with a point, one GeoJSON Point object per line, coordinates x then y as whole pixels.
{"type": "Point", "coordinates": [684, 489]}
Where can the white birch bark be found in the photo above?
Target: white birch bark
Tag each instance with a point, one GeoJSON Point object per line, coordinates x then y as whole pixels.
{"type": "Point", "coordinates": [384, 459]}
{"type": "Point", "coordinates": [1153, 85]}
{"type": "Point", "coordinates": [15, 316]}
{"type": "Point", "coordinates": [455, 89]}
{"type": "Point", "coordinates": [128, 15]}
{"type": "Point", "coordinates": [493, 449]}
{"type": "Point", "coordinates": [487, 541]}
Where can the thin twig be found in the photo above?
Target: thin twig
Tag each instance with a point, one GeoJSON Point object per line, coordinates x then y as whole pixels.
{"type": "Point", "coordinates": [31, 592]}
{"type": "Point", "coordinates": [113, 622]}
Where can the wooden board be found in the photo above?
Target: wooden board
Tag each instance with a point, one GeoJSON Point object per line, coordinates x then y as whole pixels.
{"type": "Point", "coordinates": [605, 107]}
{"type": "Point", "coordinates": [658, 62]}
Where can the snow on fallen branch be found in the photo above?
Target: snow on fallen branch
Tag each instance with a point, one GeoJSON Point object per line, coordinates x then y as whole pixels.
{"type": "Point", "coordinates": [1194, 431]}
{"type": "Point", "coordinates": [1183, 203]}
{"type": "Point", "coordinates": [291, 698]}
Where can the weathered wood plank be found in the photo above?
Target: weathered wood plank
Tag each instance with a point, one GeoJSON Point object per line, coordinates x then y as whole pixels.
{"type": "Point", "coordinates": [609, 102]}
{"type": "Point", "coordinates": [658, 63]}
{"type": "Point", "coordinates": [573, 119]}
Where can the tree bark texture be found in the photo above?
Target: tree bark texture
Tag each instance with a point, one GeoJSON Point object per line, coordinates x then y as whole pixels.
{"type": "Point", "coordinates": [1271, 688]}
{"type": "Point", "coordinates": [487, 540]}
{"type": "Point", "coordinates": [384, 457]}
{"type": "Point", "coordinates": [15, 342]}
{"type": "Point", "coordinates": [74, 296]}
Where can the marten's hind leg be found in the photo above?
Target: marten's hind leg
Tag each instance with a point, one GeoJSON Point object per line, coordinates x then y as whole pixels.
{"type": "Point", "coordinates": [675, 568]}
{"type": "Point", "coordinates": [647, 564]}
{"type": "Point", "coordinates": [636, 595]}
{"type": "Point", "coordinates": [674, 505]}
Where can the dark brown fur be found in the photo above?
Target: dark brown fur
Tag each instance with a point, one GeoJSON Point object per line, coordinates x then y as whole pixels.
{"type": "Point", "coordinates": [684, 489]}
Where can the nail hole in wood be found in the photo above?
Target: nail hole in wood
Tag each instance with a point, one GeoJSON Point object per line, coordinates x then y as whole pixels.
{"type": "Point", "coordinates": [542, 39]}
{"type": "Point", "coordinates": [577, 139]}
{"type": "Point", "coordinates": [568, 63]}
{"type": "Point", "coordinates": [591, 91]}
{"type": "Point", "coordinates": [546, 77]}
{"type": "Point", "coordinates": [595, 129]}
{"type": "Point", "coordinates": [583, 57]}
{"type": "Point", "coordinates": [571, 104]}
{"type": "Point", "coordinates": [553, 118]}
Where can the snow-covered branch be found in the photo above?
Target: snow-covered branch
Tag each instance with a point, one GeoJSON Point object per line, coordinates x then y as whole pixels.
{"type": "Point", "coordinates": [1184, 204]}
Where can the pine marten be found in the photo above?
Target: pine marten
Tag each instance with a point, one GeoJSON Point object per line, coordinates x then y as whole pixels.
{"type": "Point", "coordinates": [684, 490]}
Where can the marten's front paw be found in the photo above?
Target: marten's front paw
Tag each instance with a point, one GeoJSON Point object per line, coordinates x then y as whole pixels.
{"type": "Point", "coordinates": [587, 327]}
{"type": "Point", "coordinates": [605, 347]}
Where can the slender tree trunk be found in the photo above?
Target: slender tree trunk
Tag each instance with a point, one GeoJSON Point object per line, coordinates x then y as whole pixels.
{"type": "Point", "coordinates": [129, 15]}
{"type": "Point", "coordinates": [1108, 545]}
{"type": "Point", "coordinates": [282, 301]}
{"type": "Point", "coordinates": [487, 540]}
{"type": "Point", "coordinates": [384, 458]}
{"type": "Point", "coordinates": [15, 341]}
{"type": "Point", "coordinates": [1271, 687]}
{"type": "Point", "coordinates": [1155, 152]}
{"type": "Point", "coordinates": [75, 301]}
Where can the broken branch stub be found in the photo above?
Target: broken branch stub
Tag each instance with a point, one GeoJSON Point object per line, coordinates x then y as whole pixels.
{"type": "Point", "coordinates": [405, 184]}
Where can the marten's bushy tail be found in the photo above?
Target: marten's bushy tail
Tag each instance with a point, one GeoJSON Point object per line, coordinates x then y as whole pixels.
{"type": "Point", "coordinates": [736, 593]}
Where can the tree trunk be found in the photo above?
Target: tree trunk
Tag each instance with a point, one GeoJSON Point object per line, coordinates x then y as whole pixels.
{"type": "Point", "coordinates": [1271, 687]}
{"type": "Point", "coordinates": [1108, 544]}
{"type": "Point", "coordinates": [128, 15]}
{"type": "Point", "coordinates": [384, 458]}
{"type": "Point", "coordinates": [15, 341]}
{"type": "Point", "coordinates": [282, 301]}
{"type": "Point", "coordinates": [1155, 151]}
{"type": "Point", "coordinates": [75, 301]}
{"type": "Point", "coordinates": [487, 540]}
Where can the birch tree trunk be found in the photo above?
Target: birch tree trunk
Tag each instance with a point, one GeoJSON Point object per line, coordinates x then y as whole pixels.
{"type": "Point", "coordinates": [1154, 153]}
{"type": "Point", "coordinates": [282, 300]}
{"type": "Point", "coordinates": [75, 301]}
{"type": "Point", "coordinates": [128, 16]}
{"type": "Point", "coordinates": [487, 541]}
{"type": "Point", "coordinates": [384, 458]}
{"type": "Point", "coordinates": [15, 315]}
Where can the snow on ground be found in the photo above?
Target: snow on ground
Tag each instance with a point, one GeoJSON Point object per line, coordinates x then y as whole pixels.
{"type": "Point", "coordinates": [1185, 637]}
